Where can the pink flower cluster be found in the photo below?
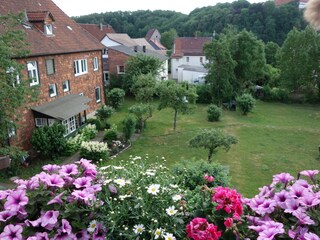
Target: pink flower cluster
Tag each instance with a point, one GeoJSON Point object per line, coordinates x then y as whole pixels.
{"type": "Point", "coordinates": [228, 200]}
{"type": "Point", "coordinates": [208, 178]}
{"type": "Point", "coordinates": [200, 229]}
{"type": "Point", "coordinates": [290, 202]}
{"type": "Point", "coordinates": [39, 204]}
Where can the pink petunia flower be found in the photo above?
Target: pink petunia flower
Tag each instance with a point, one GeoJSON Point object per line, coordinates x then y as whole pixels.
{"type": "Point", "coordinates": [54, 181]}
{"type": "Point", "coordinates": [82, 182]}
{"type": "Point", "coordinates": [311, 236]}
{"type": "Point", "coordinates": [282, 178]}
{"type": "Point", "coordinates": [12, 232]}
{"type": "Point", "coordinates": [268, 230]}
{"type": "Point", "coordinates": [6, 215]}
{"type": "Point", "coordinates": [66, 227]}
{"type": "Point", "coordinates": [49, 219]}
{"type": "Point", "coordinates": [56, 199]}
{"type": "Point", "coordinates": [16, 200]}
{"type": "Point", "coordinates": [99, 233]}
{"type": "Point", "coordinates": [51, 168]}
{"type": "Point", "coordinates": [83, 235]}
{"type": "Point", "coordinates": [310, 173]}
{"type": "Point", "coordinates": [69, 169]}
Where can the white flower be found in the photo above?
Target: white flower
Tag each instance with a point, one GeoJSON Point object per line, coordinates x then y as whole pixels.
{"type": "Point", "coordinates": [157, 233]}
{"type": "Point", "coordinates": [169, 236]}
{"type": "Point", "coordinates": [121, 182]}
{"type": "Point", "coordinates": [171, 211]}
{"type": "Point", "coordinates": [118, 168]}
{"type": "Point", "coordinates": [174, 186]}
{"type": "Point", "coordinates": [176, 197]}
{"type": "Point", "coordinates": [138, 229]}
{"type": "Point", "coordinates": [92, 226]}
{"type": "Point", "coordinates": [154, 189]}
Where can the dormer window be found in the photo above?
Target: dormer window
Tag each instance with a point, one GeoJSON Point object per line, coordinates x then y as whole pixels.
{"type": "Point", "coordinates": [48, 29]}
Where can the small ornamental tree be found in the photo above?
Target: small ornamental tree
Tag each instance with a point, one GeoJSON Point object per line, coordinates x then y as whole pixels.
{"type": "Point", "coordinates": [245, 103]}
{"type": "Point", "coordinates": [180, 97]}
{"type": "Point", "coordinates": [214, 113]}
{"type": "Point", "coordinates": [103, 113]}
{"type": "Point", "coordinates": [142, 113]}
{"type": "Point", "coordinates": [144, 87]}
{"type": "Point", "coordinates": [129, 126]}
{"type": "Point", "coordinates": [212, 140]}
{"type": "Point", "coordinates": [115, 97]}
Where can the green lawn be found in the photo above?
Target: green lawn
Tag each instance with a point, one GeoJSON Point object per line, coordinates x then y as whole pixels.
{"type": "Point", "coordinates": [274, 138]}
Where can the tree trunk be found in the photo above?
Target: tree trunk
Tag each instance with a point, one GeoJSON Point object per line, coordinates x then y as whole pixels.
{"type": "Point", "coordinates": [175, 120]}
{"type": "Point", "coordinates": [210, 155]}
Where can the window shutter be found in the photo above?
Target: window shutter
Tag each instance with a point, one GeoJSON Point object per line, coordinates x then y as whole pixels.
{"type": "Point", "coordinates": [69, 85]}
{"type": "Point", "coordinates": [56, 89]}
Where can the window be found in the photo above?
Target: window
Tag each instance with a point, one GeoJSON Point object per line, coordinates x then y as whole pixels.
{"type": "Point", "coordinates": [201, 59]}
{"type": "Point", "coordinates": [98, 94]}
{"type": "Point", "coordinates": [95, 64]}
{"type": "Point", "coordinates": [66, 86]}
{"type": "Point", "coordinates": [80, 67]}
{"type": "Point", "coordinates": [187, 59]}
{"type": "Point", "coordinates": [70, 125]}
{"type": "Point", "coordinates": [50, 66]}
{"type": "Point", "coordinates": [51, 121]}
{"type": "Point", "coordinates": [48, 29]}
{"type": "Point", "coordinates": [33, 73]}
{"type": "Point", "coordinates": [120, 69]}
{"type": "Point", "coordinates": [40, 122]}
{"type": "Point", "coordinates": [52, 90]}
{"type": "Point", "coordinates": [81, 94]}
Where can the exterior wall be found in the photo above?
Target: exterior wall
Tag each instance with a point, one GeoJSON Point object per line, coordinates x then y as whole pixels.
{"type": "Point", "coordinates": [116, 59]}
{"type": "Point", "coordinates": [193, 61]}
{"type": "Point", "coordinates": [188, 76]}
{"type": "Point", "coordinates": [64, 70]}
{"type": "Point", "coordinates": [163, 75]}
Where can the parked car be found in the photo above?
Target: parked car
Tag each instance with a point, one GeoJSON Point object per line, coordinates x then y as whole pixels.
{"type": "Point", "coordinates": [200, 79]}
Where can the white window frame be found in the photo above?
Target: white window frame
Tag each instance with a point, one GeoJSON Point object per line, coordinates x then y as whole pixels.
{"type": "Point", "coordinates": [67, 84]}
{"type": "Point", "coordinates": [48, 29]}
{"type": "Point", "coordinates": [33, 73]}
{"type": "Point", "coordinates": [119, 68]}
{"type": "Point", "coordinates": [95, 64]}
{"type": "Point", "coordinates": [51, 121]}
{"type": "Point", "coordinates": [80, 67]}
{"type": "Point", "coordinates": [98, 96]}
{"type": "Point", "coordinates": [40, 122]}
{"type": "Point", "coordinates": [54, 92]}
{"type": "Point", "coordinates": [70, 124]}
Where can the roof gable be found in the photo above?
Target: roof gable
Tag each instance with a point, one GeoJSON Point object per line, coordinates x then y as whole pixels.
{"type": "Point", "coordinates": [68, 36]}
{"type": "Point", "coordinates": [121, 38]}
{"type": "Point", "coordinates": [99, 31]}
{"type": "Point", "coordinates": [190, 46]}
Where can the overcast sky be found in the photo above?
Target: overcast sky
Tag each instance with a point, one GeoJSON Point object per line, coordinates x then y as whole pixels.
{"type": "Point", "coordinates": [84, 7]}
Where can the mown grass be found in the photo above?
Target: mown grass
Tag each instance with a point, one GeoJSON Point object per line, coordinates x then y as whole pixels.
{"type": "Point", "coordinates": [274, 138]}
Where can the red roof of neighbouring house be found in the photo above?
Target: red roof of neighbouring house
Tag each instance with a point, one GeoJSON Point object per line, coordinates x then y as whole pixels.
{"type": "Point", "coordinates": [189, 46]}
{"type": "Point", "coordinates": [68, 36]}
{"type": "Point", "coordinates": [98, 30]}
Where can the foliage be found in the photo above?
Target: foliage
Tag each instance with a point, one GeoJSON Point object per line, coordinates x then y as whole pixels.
{"type": "Point", "coordinates": [144, 87]}
{"type": "Point", "coordinates": [111, 134]}
{"type": "Point", "coordinates": [142, 112]}
{"type": "Point", "coordinates": [115, 98]}
{"type": "Point", "coordinates": [298, 61]}
{"type": "Point", "coordinates": [168, 37]}
{"type": "Point", "coordinates": [14, 90]}
{"type": "Point", "coordinates": [275, 94]}
{"type": "Point", "coordinates": [271, 51]}
{"type": "Point", "coordinates": [16, 156]}
{"type": "Point", "coordinates": [99, 125]}
{"type": "Point", "coordinates": [214, 113]}
{"type": "Point", "coordinates": [129, 126]}
{"type": "Point", "coordinates": [58, 203]}
{"type": "Point", "coordinates": [190, 174]}
{"type": "Point", "coordinates": [140, 64]}
{"type": "Point", "coordinates": [103, 113]}
{"type": "Point", "coordinates": [49, 140]}
{"type": "Point", "coordinates": [212, 140]}
{"type": "Point", "coordinates": [246, 103]}
{"type": "Point", "coordinates": [179, 97]}
{"type": "Point", "coordinates": [95, 151]}
{"type": "Point", "coordinates": [291, 206]}
{"type": "Point", "coordinates": [89, 132]}
{"type": "Point", "coordinates": [204, 93]}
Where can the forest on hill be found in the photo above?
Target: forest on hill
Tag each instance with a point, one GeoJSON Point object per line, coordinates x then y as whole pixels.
{"type": "Point", "coordinates": [265, 20]}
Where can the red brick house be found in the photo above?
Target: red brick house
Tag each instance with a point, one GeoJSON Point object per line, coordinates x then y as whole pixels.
{"type": "Point", "coordinates": [65, 63]}
{"type": "Point", "coordinates": [99, 31]}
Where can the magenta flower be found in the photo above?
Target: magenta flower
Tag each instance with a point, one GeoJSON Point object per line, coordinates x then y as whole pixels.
{"type": "Point", "coordinates": [56, 199]}
{"type": "Point", "coordinates": [208, 178]}
{"type": "Point", "coordinates": [6, 215]}
{"type": "Point", "coordinates": [4, 194]}
{"type": "Point", "coordinates": [266, 192]}
{"type": "Point", "coordinates": [262, 205]}
{"type": "Point", "coordinates": [297, 191]}
{"type": "Point", "coordinates": [281, 197]}
{"type": "Point", "coordinates": [298, 232]}
{"type": "Point", "coordinates": [42, 236]}
{"type": "Point", "coordinates": [12, 232]}
{"type": "Point", "coordinates": [16, 200]}
{"type": "Point", "coordinates": [310, 173]}
{"type": "Point", "coordinates": [303, 217]}
{"type": "Point", "coordinates": [69, 169]}
{"type": "Point", "coordinates": [311, 236]}
{"type": "Point", "coordinates": [54, 181]}
{"type": "Point", "coordinates": [49, 219]}
{"type": "Point", "coordinates": [81, 195]}
{"type": "Point", "coordinates": [82, 182]}
{"type": "Point", "coordinates": [310, 200]}
{"type": "Point", "coordinates": [268, 230]}
{"type": "Point", "coordinates": [200, 229]}
{"type": "Point", "coordinates": [282, 178]}
{"type": "Point", "coordinates": [65, 236]}
{"type": "Point", "coordinates": [83, 235]}
{"type": "Point", "coordinates": [99, 233]}
{"type": "Point", "coordinates": [66, 227]}
{"type": "Point", "coordinates": [292, 205]}
{"type": "Point", "coordinates": [50, 168]}
{"type": "Point", "coordinates": [228, 222]}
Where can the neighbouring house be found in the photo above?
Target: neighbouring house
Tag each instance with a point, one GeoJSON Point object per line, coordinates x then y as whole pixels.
{"type": "Point", "coordinates": [99, 31]}
{"type": "Point", "coordinates": [64, 62]}
{"type": "Point", "coordinates": [154, 38]}
{"type": "Point", "coordinates": [302, 3]}
{"type": "Point", "coordinates": [119, 55]}
{"type": "Point", "coordinates": [188, 59]}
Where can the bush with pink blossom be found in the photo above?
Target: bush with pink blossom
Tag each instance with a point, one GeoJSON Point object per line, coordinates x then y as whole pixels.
{"type": "Point", "coordinates": [58, 203]}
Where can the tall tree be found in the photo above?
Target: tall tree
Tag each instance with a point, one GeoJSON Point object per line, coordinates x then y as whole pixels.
{"type": "Point", "coordinates": [299, 59]}
{"type": "Point", "coordinates": [167, 38]}
{"type": "Point", "coordinates": [180, 97]}
{"type": "Point", "coordinates": [220, 71]}
{"type": "Point", "coordinates": [13, 89]}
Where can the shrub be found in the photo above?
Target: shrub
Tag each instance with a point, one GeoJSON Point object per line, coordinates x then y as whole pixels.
{"type": "Point", "coordinates": [89, 132]}
{"type": "Point", "coordinates": [99, 125]}
{"type": "Point", "coordinates": [16, 156]}
{"type": "Point", "coordinates": [129, 126]}
{"type": "Point", "coordinates": [111, 135]}
{"type": "Point", "coordinates": [103, 113]}
{"type": "Point", "coordinates": [204, 94]}
{"type": "Point", "coordinates": [142, 113]}
{"type": "Point", "coordinates": [245, 103]}
{"type": "Point", "coordinates": [49, 140]}
{"type": "Point", "coordinates": [191, 173]}
{"type": "Point", "coordinates": [214, 113]}
{"type": "Point", "coordinates": [115, 97]}
{"type": "Point", "coordinates": [94, 150]}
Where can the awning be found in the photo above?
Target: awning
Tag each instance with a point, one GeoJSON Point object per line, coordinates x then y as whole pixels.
{"type": "Point", "coordinates": [65, 107]}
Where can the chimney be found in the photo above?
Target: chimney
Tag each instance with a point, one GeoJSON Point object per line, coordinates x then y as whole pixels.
{"type": "Point", "coordinates": [101, 26]}
{"type": "Point", "coordinates": [135, 48]}
{"type": "Point", "coordinates": [144, 48]}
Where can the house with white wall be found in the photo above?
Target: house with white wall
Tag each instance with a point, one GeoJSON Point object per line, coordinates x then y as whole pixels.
{"type": "Point", "coordinates": [188, 58]}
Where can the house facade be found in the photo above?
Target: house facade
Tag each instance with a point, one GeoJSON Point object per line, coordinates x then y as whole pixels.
{"type": "Point", "coordinates": [188, 58]}
{"type": "Point", "coordinates": [65, 65]}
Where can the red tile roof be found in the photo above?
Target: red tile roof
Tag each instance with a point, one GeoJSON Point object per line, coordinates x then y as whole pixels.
{"type": "Point", "coordinates": [38, 16]}
{"type": "Point", "coordinates": [97, 30]}
{"type": "Point", "coordinates": [68, 36]}
{"type": "Point", "coordinates": [150, 33]}
{"type": "Point", "coordinates": [189, 46]}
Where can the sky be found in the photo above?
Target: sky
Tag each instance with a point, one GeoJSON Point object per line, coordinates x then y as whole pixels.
{"type": "Point", "coordinates": [84, 7]}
